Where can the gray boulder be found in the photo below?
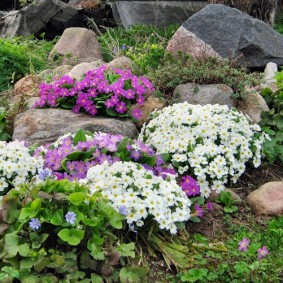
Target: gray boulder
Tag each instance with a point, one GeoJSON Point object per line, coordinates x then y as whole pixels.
{"type": "Point", "coordinates": [228, 31]}
{"type": "Point", "coordinates": [204, 94]}
{"type": "Point", "coordinates": [40, 126]}
{"type": "Point", "coordinates": [33, 18]}
{"type": "Point", "coordinates": [158, 13]}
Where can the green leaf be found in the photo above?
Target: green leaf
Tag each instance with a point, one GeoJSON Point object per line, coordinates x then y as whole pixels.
{"type": "Point", "coordinates": [116, 221]}
{"type": "Point", "coordinates": [230, 209]}
{"type": "Point", "coordinates": [24, 250]}
{"type": "Point", "coordinates": [58, 218]}
{"type": "Point", "coordinates": [11, 245]}
{"type": "Point", "coordinates": [26, 263]}
{"type": "Point", "coordinates": [27, 212]}
{"type": "Point", "coordinates": [111, 112]}
{"type": "Point", "coordinates": [194, 275]}
{"type": "Point", "coordinates": [79, 137]}
{"type": "Point", "coordinates": [126, 249]}
{"type": "Point", "coordinates": [165, 156]}
{"type": "Point", "coordinates": [134, 274]}
{"type": "Point", "coordinates": [72, 236]}
{"type": "Point", "coordinates": [77, 198]}
{"type": "Point", "coordinates": [40, 264]}
{"type": "Point", "coordinates": [36, 204]}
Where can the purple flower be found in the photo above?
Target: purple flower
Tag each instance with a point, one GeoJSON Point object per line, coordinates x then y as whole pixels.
{"type": "Point", "coordinates": [135, 154]}
{"type": "Point", "coordinates": [123, 210]}
{"type": "Point", "coordinates": [34, 224]}
{"type": "Point", "coordinates": [262, 252]}
{"type": "Point", "coordinates": [136, 113]}
{"type": "Point", "coordinates": [209, 205]}
{"type": "Point", "coordinates": [44, 173]}
{"type": "Point", "coordinates": [121, 107]}
{"type": "Point", "coordinates": [71, 217]}
{"type": "Point", "coordinates": [198, 210]}
{"type": "Point", "coordinates": [244, 244]}
{"type": "Point", "coordinates": [123, 47]}
{"type": "Point", "coordinates": [190, 186]}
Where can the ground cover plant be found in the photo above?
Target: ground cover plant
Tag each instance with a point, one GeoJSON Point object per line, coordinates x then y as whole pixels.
{"type": "Point", "coordinates": [102, 91]}
{"type": "Point", "coordinates": [21, 56]}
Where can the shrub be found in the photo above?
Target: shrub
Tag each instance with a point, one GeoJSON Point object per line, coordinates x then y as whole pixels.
{"type": "Point", "coordinates": [17, 166]}
{"type": "Point", "coordinates": [212, 143]}
{"type": "Point", "coordinates": [20, 56]}
{"type": "Point", "coordinates": [56, 232]}
{"type": "Point", "coordinates": [140, 195]}
{"type": "Point", "coordinates": [175, 70]}
{"type": "Point", "coordinates": [72, 155]}
{"type": "Point", "coordinates": [103, 91]}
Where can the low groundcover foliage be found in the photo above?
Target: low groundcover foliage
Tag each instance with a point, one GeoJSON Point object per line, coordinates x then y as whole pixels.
{"type": "Point", "coordinates": [211, 142]}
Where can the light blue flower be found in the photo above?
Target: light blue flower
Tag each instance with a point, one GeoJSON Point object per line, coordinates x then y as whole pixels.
{"type": "Point", "coordinates": [34, 224]}
{"type": "Point", "coordinates": [44, 173]}
{"type": "Point", "coordinates": [71, 217]}
{"type": "Point", "coordinates": [123, 210]}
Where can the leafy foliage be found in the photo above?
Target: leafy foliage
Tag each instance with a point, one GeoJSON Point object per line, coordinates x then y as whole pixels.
{"type": "Point", "coordinates": [272, 121]}
{"type": "Point", "coordinates": [20, 56]}
{"type": "Point", "coordinates": [175, 70]}
{"type": "Point", "coordinates": [145, 45]}
{"type": "Point", "coordinates": [38, 240]}
{"type": "Point", "coordinates": [4, 134]}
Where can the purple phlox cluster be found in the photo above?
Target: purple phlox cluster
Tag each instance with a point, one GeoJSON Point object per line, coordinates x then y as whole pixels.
{"type": "Point", "coordinates": [101, 89]}
{"type": "Point", "coordinates": [190, 186]}
{"type": "Point", "coordinates": [71, 217]}
{"type": "Point", "coordinates": [244, 244]}
{"type": "Point", "coordinates": [34, 224]}
{"type": "Point", "coordinates": [262, 252]}
{"type": "Point", "coordinates": [198, 211]}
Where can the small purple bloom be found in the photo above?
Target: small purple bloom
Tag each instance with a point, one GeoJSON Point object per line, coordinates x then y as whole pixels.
{"type": "Point", "coordinates": [34, 224]}
{"type": "Point", "coordinates": [135, 154]}
{"type": "Point", "coordinates": [123, 210]}
{"type": "Point", "coordinates": [44, 173]}
{"type": "Point", "coordinates": [71, 217]}
{"type": "Point", "coordinates": [263, 252]}
{"type": "Point", "coordinates": [123, 47]}
{"type": "Point", "coordinates": [199, 210]}
{"type": "Point", "coordinates": [244, 244]}
{"type": "Point", "coordinates": [136, 113]}
{"type": "Point", "coordinates": [209, 205]}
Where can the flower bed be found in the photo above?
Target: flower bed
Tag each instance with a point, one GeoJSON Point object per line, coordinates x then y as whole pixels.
{"type": "Point", "coordinates": [211, 142]}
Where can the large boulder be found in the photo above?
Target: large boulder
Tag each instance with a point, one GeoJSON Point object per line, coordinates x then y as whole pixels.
{"type": "Point", "coordinates": [226, 32]}
{"type": "Point", "coordinates": [33, 18]}
{"type": "Point", "coordinates": [40, 126]}
{"type": "Point", "coordinates": [158, 13]}
{"type": "Point", "coordinates": [268, 199]}
{"type": "Point", "coordinates": [80, 43]}
{"type": "Point", "coordinates": [204, 94]}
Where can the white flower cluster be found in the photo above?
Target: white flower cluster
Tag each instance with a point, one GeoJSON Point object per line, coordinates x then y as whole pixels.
{"type": "Point", "coordinates": [16, 164]}
{"type": "Point", "coordinates": [140, 194]}
{"type": "Point", "coordinates": [211, 142]}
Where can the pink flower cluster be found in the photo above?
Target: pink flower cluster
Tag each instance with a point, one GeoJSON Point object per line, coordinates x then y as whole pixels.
{"type": "Point", "coordinates": [190, 186]}
{"type": "Point", "coordinates": [70, 161]}
{"type": "Point", "coordinates": [101, 90]}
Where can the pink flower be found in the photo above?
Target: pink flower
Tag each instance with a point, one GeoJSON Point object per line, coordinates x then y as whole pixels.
{"type": "Point", "coordinates": [244, 244]}
{"type": "Point", "coordinates": [136, 113]}
{"type": "Point", "coordinates": [263, 252]}
{"type": "Point", "coordinates": [199, 210]}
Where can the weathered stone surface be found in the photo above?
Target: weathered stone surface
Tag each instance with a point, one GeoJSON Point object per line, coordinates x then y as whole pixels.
{"type": "Point", "coordinates": [151, 104]}
{"type": "Point", "coordinates": [79, 70]}
{"type": "Point", "coordinates": [252, 105]}
{"type": "Point", "coordinates": [58, 71]}
{"type": "Point", "coordinates": [121, 63]}
{"type": "Point", "coordinates": [187, 42]}
{"type": "Point", "coordinates": [269, 74]}
{"type": "Point", "coordinates": [231, 32]}
{"type": "Point", "coordinates": [204, 94]}
{"type": "Point", "coordinates": [78, 42]}
{"type": "Point", "coordinates": [40, 126]}
{"type": "Point", "coordinates": [25, 88]}
{"type": "Point", "coordinates": [33, 18]}
{"type": "Point", "coordinates": [268, 199]}
{"type": "Point", "coordinates": [158, 13]}
{"type": "Point", "coordinates": [235, 197]}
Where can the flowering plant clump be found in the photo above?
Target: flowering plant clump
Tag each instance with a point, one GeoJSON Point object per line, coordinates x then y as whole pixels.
{"type": "Point", "coordinates": [17, 166]}
{"type": "Point", "coordinates": [212, 142]}
{"type": "Point", "coordinates": [140, 194]}
{"type": "Point", "coordinates": [55, 230]}
{"type": "Point", "coordinates": [72, 155]}
{"type": "Point", "coordinates": [102, 91]}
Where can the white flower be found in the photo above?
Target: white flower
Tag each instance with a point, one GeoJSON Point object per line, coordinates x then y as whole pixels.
{"type": "Point", "coordinates": [211, 142]}
{"type": "Point", "coordinates": [143, 195]}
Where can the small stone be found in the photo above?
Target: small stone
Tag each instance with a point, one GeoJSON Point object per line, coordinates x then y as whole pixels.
{"type": "Point", "coordinates": [268, 199]}
{"type": "Point", "coordinates": [122, 63]}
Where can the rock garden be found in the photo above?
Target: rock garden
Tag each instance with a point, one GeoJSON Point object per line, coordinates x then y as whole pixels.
{"type": "Point", "coordinates": [143, 154]}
